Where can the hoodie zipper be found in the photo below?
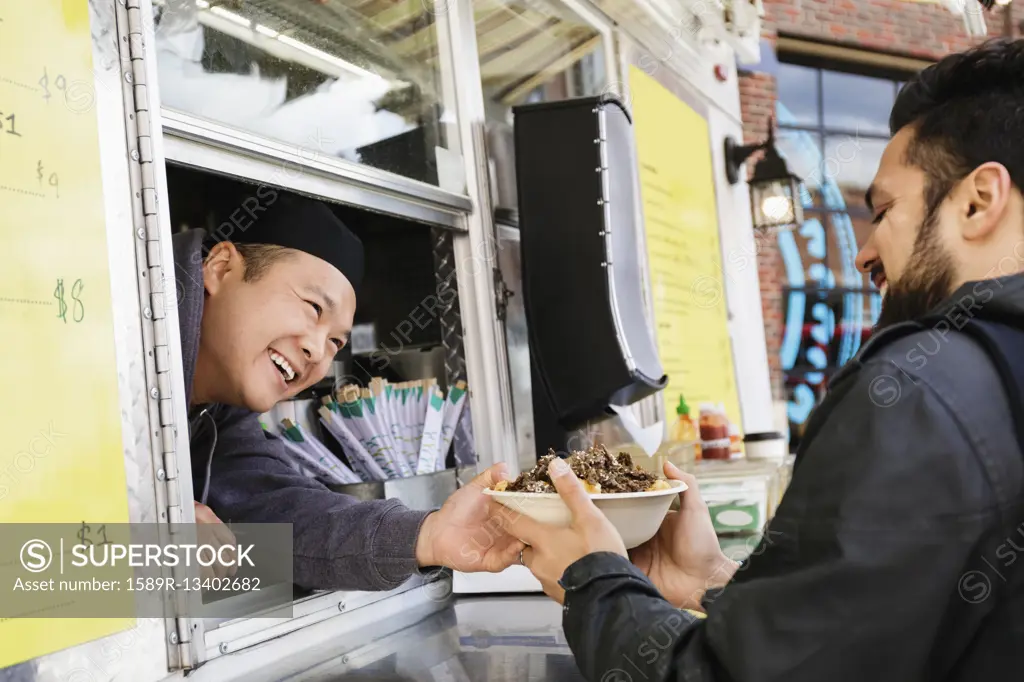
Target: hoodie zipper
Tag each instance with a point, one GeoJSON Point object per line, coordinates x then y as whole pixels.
{"type": "Point", "coordinates": [195, 428]}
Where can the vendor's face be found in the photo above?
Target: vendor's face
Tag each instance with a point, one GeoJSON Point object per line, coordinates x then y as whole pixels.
{"type": "Point", "coordinates": [266, 340]}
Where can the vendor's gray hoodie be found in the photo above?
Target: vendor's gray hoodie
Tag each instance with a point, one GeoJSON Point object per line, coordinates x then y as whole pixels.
{"type": "Point", "coordinates": [245, 477]}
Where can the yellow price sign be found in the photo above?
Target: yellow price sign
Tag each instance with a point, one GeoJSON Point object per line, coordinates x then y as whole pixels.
{"type": "Point", "coordinates": [684, 250]}
{"type": "Point", "coordinates": [62, 458]}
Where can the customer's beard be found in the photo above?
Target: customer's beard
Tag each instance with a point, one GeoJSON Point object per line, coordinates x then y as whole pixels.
{"type": "Point", "coordinates": [926, 283]}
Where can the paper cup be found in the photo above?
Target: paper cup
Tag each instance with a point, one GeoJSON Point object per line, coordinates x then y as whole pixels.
{"type": "Point", "coordinates": [767, 445]}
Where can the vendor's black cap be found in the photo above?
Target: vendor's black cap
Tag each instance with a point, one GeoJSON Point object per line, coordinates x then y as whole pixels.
{"type": "Point", "coordinates": [293, 222]}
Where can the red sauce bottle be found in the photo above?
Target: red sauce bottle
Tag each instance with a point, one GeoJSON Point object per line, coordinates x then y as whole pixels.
{"type": "Point", "coordinates": [714, 433]}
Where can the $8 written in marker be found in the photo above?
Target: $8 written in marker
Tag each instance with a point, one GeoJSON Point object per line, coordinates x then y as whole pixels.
{"type": "Point", "coordinates": [77, 305]}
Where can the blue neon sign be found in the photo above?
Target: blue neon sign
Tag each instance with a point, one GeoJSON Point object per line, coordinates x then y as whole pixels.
{"type": "Point", "coordinates": [801, 151]}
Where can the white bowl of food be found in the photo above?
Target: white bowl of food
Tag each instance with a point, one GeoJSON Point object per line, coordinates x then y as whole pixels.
{"type": "Point", "coordinates": [634, 500]}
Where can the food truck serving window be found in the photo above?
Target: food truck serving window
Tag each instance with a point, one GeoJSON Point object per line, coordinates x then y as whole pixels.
{"type": "Point", "coordinates": [346, 79]}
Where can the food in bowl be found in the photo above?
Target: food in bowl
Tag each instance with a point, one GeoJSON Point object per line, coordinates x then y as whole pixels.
{"type": "Point", "coordinates": [600, 471]}
{"type": "Point", "coordinates": [631, 498]}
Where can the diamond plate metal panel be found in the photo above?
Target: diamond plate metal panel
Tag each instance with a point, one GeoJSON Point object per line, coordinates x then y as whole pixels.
{"type": "Point", "coordinates": [451, 316]}
{"type": "Point", "coordinates": [451, 338]}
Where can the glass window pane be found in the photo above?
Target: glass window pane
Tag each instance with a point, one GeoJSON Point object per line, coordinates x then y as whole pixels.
{"type": "Point", "coordinates": [830, 328]}
{"type": "Point", "coordinates": [351, 79]}
{"type": "Point", "coordinates": [798, 95]}
{"type": "Point", "coordinates": [804, 250]}
{"type": "Point", "coordinates": [811, 322]}
{"type": "Point", "coordinates": [802, 151]}
{"type": "Point", "coordinates": [835, 325]}
{"type": "Point", "coordinates": [531, 51]}
{"type": "Point", "coordinates": [872, 305]}
{"type": "Point", "coordinates": [849, 167]}
{"type": "Point", "coordinates": [535, 51]}
{"type": "Point", "coordinates": [841, 256]}
{"type": "Point", "coordinates": [803, 393]}
{"type": "Point", "coordinates": [856, 314]}
{"type": "Point", "coordinates": [856, 103]}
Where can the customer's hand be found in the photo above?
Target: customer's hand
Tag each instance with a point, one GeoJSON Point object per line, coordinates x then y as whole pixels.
{"type": "Point", "coordinates": [464, 534]}
{"type": "Point", "coordinates": [684, 559]}
{"type": "Point", "coordinates": [551, 549]}
{"type": "Point", "coordinates": [211, 531]}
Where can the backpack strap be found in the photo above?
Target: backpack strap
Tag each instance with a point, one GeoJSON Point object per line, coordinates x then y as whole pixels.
{"type": "Point", "coordinates": [1005, 347]}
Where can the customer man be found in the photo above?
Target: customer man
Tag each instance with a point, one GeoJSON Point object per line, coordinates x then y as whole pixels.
{"type": "Point", "coordinates": [894, 555]}
{"type": "Point", "coordinates": [261, 319]}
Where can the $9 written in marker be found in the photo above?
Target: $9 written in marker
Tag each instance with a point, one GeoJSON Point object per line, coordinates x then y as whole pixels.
{"type": "Point", "coordinates": [53, 181]}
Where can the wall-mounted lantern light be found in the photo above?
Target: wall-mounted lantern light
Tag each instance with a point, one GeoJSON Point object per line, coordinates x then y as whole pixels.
{"type": "Point", "coordinates": [774, 191]}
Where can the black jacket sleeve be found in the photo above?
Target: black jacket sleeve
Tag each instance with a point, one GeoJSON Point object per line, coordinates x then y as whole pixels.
{"type": "Point", "coordinates": [857, 578]}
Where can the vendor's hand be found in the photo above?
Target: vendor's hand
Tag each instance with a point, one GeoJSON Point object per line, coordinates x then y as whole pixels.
{"type": "Point", "coordinates": [212, 531]}
{"type": "Point", "coordinates": [464, 534]}
{"type": "Point", "coordinates": [684, 559]}
{"type": "Point", "coordinates": [551, 549]}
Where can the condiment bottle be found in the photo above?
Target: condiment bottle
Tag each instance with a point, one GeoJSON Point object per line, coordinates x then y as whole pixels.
{"type": "Point", "coordinates": [735, 442]}
{"type": "Point", "coordinates": [684, 430]}
{"type": "Point", "coordinates": [714, 433]}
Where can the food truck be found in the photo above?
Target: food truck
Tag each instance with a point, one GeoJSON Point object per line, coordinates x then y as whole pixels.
{"type": "Point", "coordinates": [550, 229]}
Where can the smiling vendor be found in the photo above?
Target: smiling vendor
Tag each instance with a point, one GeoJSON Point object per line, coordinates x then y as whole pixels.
{"type": "Point", "coordinates": [262, 317]}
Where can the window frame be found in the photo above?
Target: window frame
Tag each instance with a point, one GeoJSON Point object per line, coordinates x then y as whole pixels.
{"type": "Point", "coordinates": [812, 291]}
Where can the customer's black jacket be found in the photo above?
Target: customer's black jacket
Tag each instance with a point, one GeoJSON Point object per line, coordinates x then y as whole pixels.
{"type": "Point", "coordinates": [895, 556]}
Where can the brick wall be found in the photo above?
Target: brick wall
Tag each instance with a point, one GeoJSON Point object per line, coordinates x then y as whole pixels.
{"type": "Point", "coordinates": [757, 103]}
{"type": "Point", "coordinates": [912, 29]}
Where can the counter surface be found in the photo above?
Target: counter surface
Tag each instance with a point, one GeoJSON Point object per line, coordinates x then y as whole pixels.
{"type": "Point", "coordinates": [492, 639]}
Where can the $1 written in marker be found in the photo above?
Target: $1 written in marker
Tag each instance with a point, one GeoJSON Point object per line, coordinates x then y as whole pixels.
{"type": "Point", "coordinates": [8, 124]}
{"type": "Point", "coordinates": [86, 535]}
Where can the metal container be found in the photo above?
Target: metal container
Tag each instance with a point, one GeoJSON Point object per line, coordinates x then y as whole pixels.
{"type": "Point", "coordinates": [362, 491]}
{"type": "Point", "coordinates": [424, 492]}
